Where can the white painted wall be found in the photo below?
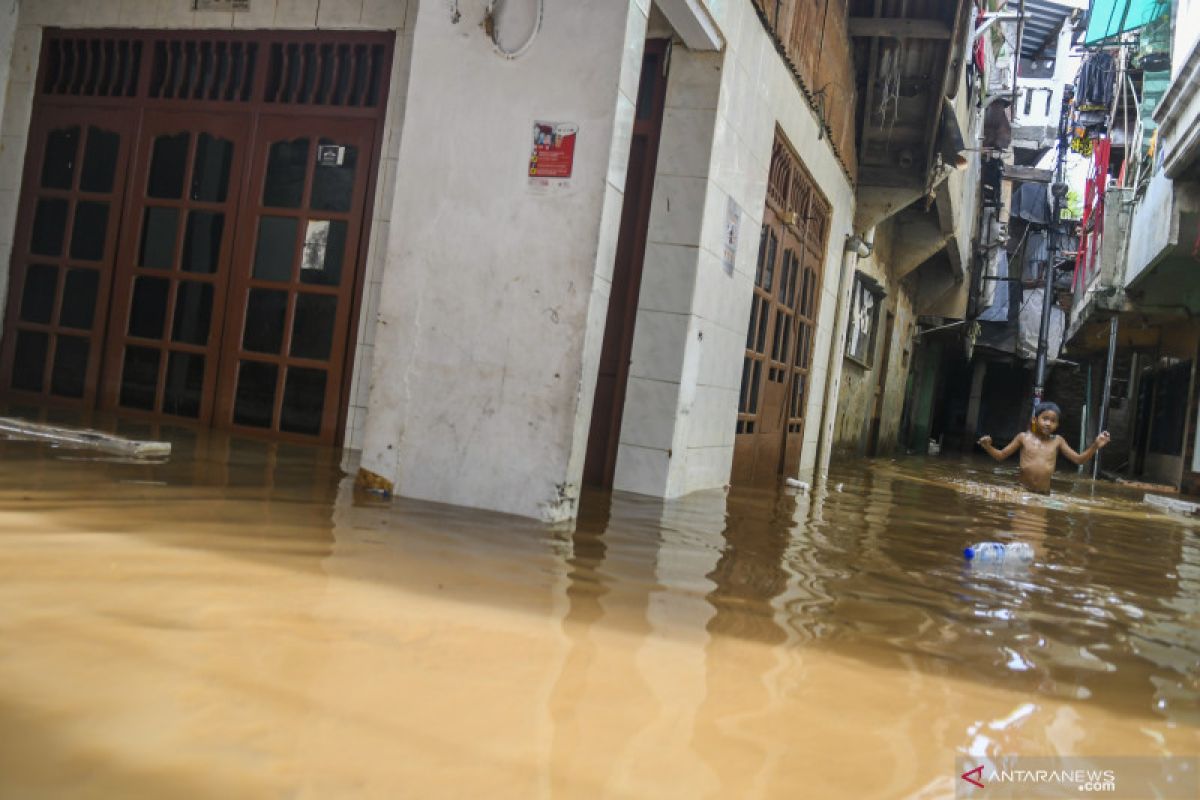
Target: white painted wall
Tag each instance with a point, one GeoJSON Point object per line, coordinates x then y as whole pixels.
{"type": "Point", "coordinates": [494, 297]}
{"type": "Point", "coordinates": [1157, 226]}
{"type": "Point", "coordinates": [1186, 35]}
{"type": "Point", "coordinates": [1041, 113]}
{"type": "Point", "coordinates": [681, 408]}
{"type": "Point", "coordinates": [489, 300]}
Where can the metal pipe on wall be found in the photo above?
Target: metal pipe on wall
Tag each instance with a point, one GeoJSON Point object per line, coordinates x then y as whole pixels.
{"type": "Point", "coordinates": [1086, 416]}
{"type": "Point", "coordinates": [1059, 190]}
{"type": "Point", "coordinates": [1102, 416]}
{"type": "Point", "coordinates": [1017, 59]}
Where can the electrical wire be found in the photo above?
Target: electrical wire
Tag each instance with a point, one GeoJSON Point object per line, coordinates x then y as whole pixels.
{"type": "Point", "coordinates": [493, 9]}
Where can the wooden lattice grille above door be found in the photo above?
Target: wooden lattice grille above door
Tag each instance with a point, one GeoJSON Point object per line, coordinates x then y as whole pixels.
{"type": "Point", "coordinates": [154, 163]}
{"type": "Point", "coordinates": [783, 320]}
{"type": "Point", "coordinates": [281, 68]}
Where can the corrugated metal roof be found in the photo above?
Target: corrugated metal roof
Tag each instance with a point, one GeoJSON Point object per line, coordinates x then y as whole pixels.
{"type": "Point", "coordinates": [1043, 19]}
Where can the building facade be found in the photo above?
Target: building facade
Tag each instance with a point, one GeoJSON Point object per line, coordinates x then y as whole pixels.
{"type": "Point", "coordinates": [494, 253]}
{"type": "Point", "coordinates": [1140, 296]}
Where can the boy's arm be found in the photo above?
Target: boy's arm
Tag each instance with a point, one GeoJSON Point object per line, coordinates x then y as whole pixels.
{"type": "Point", "coordinates": [1082, 458]}
{"type": "Point", "coordinates": [986, 443]}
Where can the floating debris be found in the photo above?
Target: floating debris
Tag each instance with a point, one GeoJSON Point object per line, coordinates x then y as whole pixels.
{"type": "Point", "coordinates": [82, 438]}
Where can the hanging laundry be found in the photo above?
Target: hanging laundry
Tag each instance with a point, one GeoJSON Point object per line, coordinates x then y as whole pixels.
{"type": "Point", "coordinates": [1096, 81]}
{"type": "Point", "coordinates": [994, 293]}
{"type": "Point", "coordinates": [1030, 202]}
{"type": "Point", "coordinates": [1035, 257]}
{"type": "Point", "coordinates": [997, 130]}
{"type": "Point", "coordinates": [1092, 224]}
{"type": "Point", "coordinates": [1029, 326]}
{"type": "Point", "coordinates": [991, 173]}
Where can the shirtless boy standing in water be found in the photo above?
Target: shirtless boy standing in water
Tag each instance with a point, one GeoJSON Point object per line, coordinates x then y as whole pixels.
{"type": "Point", "coordinates": [1040, 449]}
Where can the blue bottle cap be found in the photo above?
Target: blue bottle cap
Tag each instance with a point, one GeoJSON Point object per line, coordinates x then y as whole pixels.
{"type": "Point", "coordinates": [969, 553]}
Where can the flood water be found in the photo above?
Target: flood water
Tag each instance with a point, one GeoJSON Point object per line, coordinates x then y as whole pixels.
{"type": "Point", "coordinates": [235, 622]}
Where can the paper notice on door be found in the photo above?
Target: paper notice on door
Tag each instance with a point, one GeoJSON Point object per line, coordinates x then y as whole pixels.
{"type": "Point", "coordinates": [316, 242]}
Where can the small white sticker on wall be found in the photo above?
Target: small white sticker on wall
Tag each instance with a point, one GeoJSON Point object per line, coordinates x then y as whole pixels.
{"type": "Point", "coordinates": [733, 225]}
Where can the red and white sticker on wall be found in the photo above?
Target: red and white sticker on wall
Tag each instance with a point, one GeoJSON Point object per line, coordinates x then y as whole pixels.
{"type": "Point", "coordinates": [552, 158]}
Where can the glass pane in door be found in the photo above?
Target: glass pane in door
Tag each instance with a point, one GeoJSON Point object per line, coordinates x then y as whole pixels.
{"type": "Point", "coordinates": [174, 280]}
{"type": "Point", "coordinates": [62, 257]}
{"type": "Point", "coordinates": [303, 233]}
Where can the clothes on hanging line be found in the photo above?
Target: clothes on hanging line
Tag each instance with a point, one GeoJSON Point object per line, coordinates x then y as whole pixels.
{"type": "Point", "coordinates": [1031, 202]}
{"type": "Point", "coordinates": [1095, 83]}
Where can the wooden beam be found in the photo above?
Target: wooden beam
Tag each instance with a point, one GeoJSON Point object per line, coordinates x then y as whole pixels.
{"type": "Point", "coordinates": [1012, 172]}
{"type": "Point", "coordinates": [893, 177]}
{"type": "Point", "coordinates": [869, 103]}
{"type": "Point", "coordinates": [939, 97]}
{"type": "Point", "coordinates": [897, 133]}
{"type": "Point", "coordinates": [899, 27]}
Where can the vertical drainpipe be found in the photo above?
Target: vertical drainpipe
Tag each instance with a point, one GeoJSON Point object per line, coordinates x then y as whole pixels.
{"type": "Point", "coordinates": [837, 352]}
{"type": "Point", "coordinates": [1106, 396]}
{"type": "Point", "coordinates": [1017, 60]}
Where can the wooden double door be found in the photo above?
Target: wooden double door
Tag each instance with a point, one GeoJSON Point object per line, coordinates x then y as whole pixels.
{"type": "Point", "coordinates": [777, 362]}
{"type": "Point", "coordinates": [190, 266]}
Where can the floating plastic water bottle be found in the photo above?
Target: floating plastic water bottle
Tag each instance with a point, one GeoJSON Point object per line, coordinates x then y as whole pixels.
{"type": "Point", "coordinates": [997, 553]}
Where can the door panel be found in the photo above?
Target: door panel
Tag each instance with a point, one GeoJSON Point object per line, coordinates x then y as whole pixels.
{"type": "Point", "coordinates": [299, 234]}
{"type": "Point", "coordinates": [807, 301]}
{"type": "Point", "coordinates": [136, 300]}
{"type": "Point", "coordinates": [62, 259]}
{"type": "Point", "coordinates": [783, 317]}
{"type": "Point", "coordinates": [769, 343]}
{"type": "Point", "coordinates": [173, 268]}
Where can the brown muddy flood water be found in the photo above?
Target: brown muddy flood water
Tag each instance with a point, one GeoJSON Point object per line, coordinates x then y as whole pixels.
{"type": "Point", "coordinates": [235, 623]}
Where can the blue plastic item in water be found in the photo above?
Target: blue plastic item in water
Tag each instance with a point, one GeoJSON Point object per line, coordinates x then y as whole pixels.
{"type": "Point", "coordinates": [997, 553]}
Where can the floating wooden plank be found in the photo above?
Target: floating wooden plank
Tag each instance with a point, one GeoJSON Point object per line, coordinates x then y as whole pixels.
{"type": "Point", "coordinates": [82, 438]}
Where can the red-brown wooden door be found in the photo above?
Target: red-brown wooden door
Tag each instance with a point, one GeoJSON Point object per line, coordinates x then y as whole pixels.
{"type": "Point", "coordinates": [293, 281]}
{"type": "Point", "coordinates": [62, 258]}
{"type": "Point", "coordinates": [807, 273]}
{"type": "Point", "coordinates": [173, 268]}
{"type": "Point", "coordinates": [779, 337]}
{"type": "Point", "coordinates": [758, 446]}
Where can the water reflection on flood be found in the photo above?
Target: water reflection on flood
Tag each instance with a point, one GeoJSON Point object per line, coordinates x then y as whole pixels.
{"type": "Point", "coordinates": [236, 622]}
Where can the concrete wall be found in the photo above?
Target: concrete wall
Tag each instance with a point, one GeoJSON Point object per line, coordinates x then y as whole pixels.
{"type": "Point", "coordinates": [1155, 221]}
{"type": "Point", "coordinates": [721, 113]}
{"type": "Point", "coordinates": [1186, 34]}
{"type": "Point", "coordinates": [494, 300]}
{"type": "Point", "coordinates": [856, 397]}
{"type": "Point", "coordinates": [25, 30]}
{"type": "Point", "coordinates": [1044, 95]}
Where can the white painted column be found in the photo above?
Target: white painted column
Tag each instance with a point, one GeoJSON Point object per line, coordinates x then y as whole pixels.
{"type": "Point", "coordinates": [669, 334]}
{"type": "Point", "coordinates": [494, 293]}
